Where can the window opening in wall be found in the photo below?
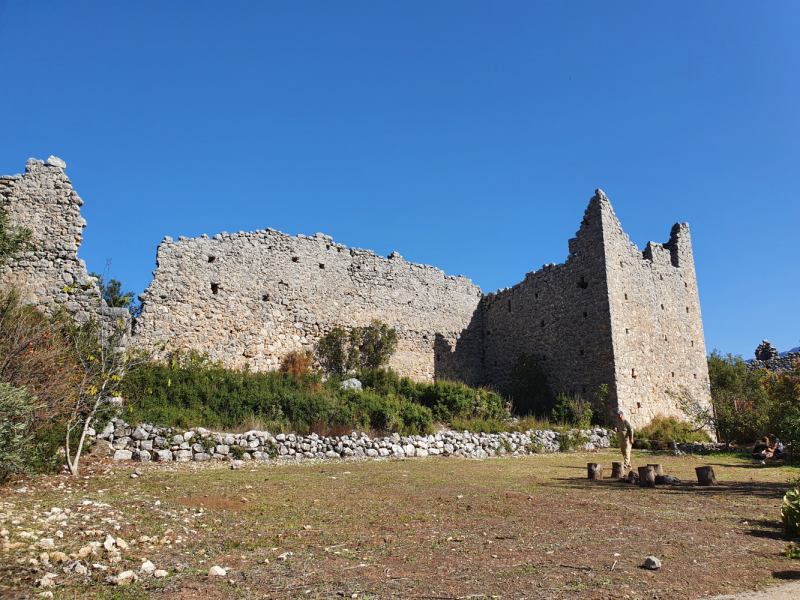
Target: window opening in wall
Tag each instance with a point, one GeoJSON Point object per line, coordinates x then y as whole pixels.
{"type": "Point", "coordinates": [661, 277]}
{"type": "Point", "coordinates": [581, 351]}
{"type": "Point", "coordinates": [295, 258]}
{"type": "Point", "coordinates": [665, 338]}
{"type": "Point", "coordinates": [583, 284]}
{"type": "Point", "coordinates": [536, 294]}
{"type": "Point", "coordinates": [633, 373]}
{"type": "Point", "coordinates": [585, 314]}
{"type": "Point", "coordinates": [495, 363]}
{"type": "Point", "coordinates": [695, 375]}
{"type": "Point", "coordinates": [327, 247]}
{"type": "Point", "coordinates": [212, 259]}
{"type": "Point", "coordinates": [265, 298]}
{"type": "Point", "coordinates": [509, 306]}
{"type": "Point", "coordinates": [685, 284]}
{"type": "Point", "coordinates": [673, 373]}
{"type": "Point", "coordinates": [638, 405]}
{"type": "Point", "coordinates": [214, 288]}
{"type": "Point", "coordinates": [626, 296]}
{"type": "Point", "coordinates": [692, 343]}
{"type": "Point", "coordinates": [662, 307]}
{"type": "Point", "coordinates": [621, 264]}
{"type": "Point", "coordinates": [584, 389]}
{"type": "Point", "coordinates": [544, 356]}
{"type": "Point", "coordinates": [687, 309]}
{"type": "Point", "coordinates": [321, 266]}
{"type": "Point", "coordinates": [627, 331]}
{"type": "Point", "coordinates": [488, 332]}
{"type": "Point", "coordinates": [338, 249]}
{"type": "Point", "coordinates": [542, 322]}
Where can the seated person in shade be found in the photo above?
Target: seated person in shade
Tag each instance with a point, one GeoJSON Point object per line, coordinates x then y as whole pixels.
{"type": "Point", "coordinates": [775, 446]}
{"type": "Point", "coordinates": [761, 449]}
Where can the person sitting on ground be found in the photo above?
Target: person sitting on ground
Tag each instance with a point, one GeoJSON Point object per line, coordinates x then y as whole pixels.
{"type": "Point", "coordinates": [761, 449]}
{"type": "Point", "coordinates": [775, 446]}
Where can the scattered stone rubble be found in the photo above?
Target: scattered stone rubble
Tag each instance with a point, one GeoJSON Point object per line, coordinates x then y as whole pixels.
{"type": "Point", "coordinates": [147, 443]}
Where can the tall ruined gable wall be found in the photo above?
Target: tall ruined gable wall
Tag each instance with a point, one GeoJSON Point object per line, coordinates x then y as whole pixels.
{"type": "Point", "coordinates": [250, 298]}
{"type": "Point", "coordinates": [658, 330]}
{"type": "Point", "coordinates": [51, 275]}
{"type": "Point", "coordinates": [560, 315]}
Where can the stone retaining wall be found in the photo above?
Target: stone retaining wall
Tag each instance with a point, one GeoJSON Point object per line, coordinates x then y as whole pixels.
{"type": "Point", "coordinates": [147, 443]}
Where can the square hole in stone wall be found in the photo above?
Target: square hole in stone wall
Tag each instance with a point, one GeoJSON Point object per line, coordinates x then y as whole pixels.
{"type": "Point", "coordinates": [295, 258]}
{"type": "Point", "coordinates": [214, 288]}
{"type": "Point", "coordinates": [321, 266]}
{"type": "Point", "coordinates": [212, 259]}
{"type": "Point", "coordinates": [265, 298]}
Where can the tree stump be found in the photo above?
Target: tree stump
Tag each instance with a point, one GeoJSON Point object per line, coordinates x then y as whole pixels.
{"type": "Point", "coordinates": [618, 471]}
{"type": "Point", "coordinates": [705, 476]}
{"type": "Point", "coordinates": [647, 477]}
{"type": "Point", "coordinates": [595, 471]}
{"type": "Point", "coordinates": [657, 468]}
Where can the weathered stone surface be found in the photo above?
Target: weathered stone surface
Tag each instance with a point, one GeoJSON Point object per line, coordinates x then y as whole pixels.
{"type": "Point", "coordinates": [56, 162]}
{"type": "Point", "coordinates": [123, 455]}
{"type": "Point", "coordinates": [51, 275]}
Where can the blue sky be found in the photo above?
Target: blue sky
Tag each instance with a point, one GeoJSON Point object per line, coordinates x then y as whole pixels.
{"type": "Point", "coordinates": [466, 135]}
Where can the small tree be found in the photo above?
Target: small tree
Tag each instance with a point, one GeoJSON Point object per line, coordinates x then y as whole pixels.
{"type": "Point", "coordinates": [332, 351]}
{"type": "Point", "coordinates": [369, 348]}
{"type": "Point", "coordinates": [376, 344]}
{"type": "Point", "coordinates": [784, 391]}
{"type": "Point", "coordinates": [111, 290]}
{"type": "Point", "coordinates": [99, 348]}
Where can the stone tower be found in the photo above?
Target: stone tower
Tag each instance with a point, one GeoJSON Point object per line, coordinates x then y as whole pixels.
{"type": "Point", "coordinates": [610, 314]}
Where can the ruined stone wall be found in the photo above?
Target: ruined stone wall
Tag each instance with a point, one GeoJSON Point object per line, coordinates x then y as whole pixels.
{"type": "Point", "coordinates": [558, 314]}
{"type": "Point", "coordinates": [51, 275]}
{"type": "Point", "coordinates": [249, 298]}
{"type": "Point", "coordinates": [655, 316]}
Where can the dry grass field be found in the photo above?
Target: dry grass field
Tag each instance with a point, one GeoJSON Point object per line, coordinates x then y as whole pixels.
{"type": "Point", "coordinates": [531, 527]}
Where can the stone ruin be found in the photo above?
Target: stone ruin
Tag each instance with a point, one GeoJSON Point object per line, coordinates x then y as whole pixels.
{"type": "Point", "coordinates": [609, 314]}
{"type": "Point", "coordinates": [767, 357]}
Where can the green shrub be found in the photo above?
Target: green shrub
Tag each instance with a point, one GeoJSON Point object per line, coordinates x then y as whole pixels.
{"type": "Point", "coordinates": [448, 400]}
{"type": "Point", "coordinates": [368, 348]}
{"type": "Point", "coordinates": [191, 391]}
{"type": "Point", "coordinates": [668, 429]}
{"type": "Point", "coordinates": [572, 411]}
{"type": "Point", "coordinates": [237, 452]}
{"type": "Point", "coordinates": [17, 407]}
{"type": "Point", "coordinates": [790, 513]}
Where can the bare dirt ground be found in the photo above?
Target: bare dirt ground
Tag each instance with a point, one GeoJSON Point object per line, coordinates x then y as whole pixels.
{"type": "Point", "coordinates": [531, 527]}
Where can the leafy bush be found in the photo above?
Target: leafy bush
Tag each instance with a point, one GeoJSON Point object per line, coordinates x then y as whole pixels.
{"type": "Point", "coordinates": [17, 407]}
{"type": "Point", "coordinates": [297, 363]}
{"type": "Point", "coordinates": [368, 348]}
{"type": "Point", "coordinates": [191, 390]}
{"type": "Point", "coordinates": [668, 429]}
{"type": "Point", "coordinates": [572, 410]}
{"type": "Point", "coordinates": [790, 513]}
{"type": "Point", "coordinates": [333, 352]}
